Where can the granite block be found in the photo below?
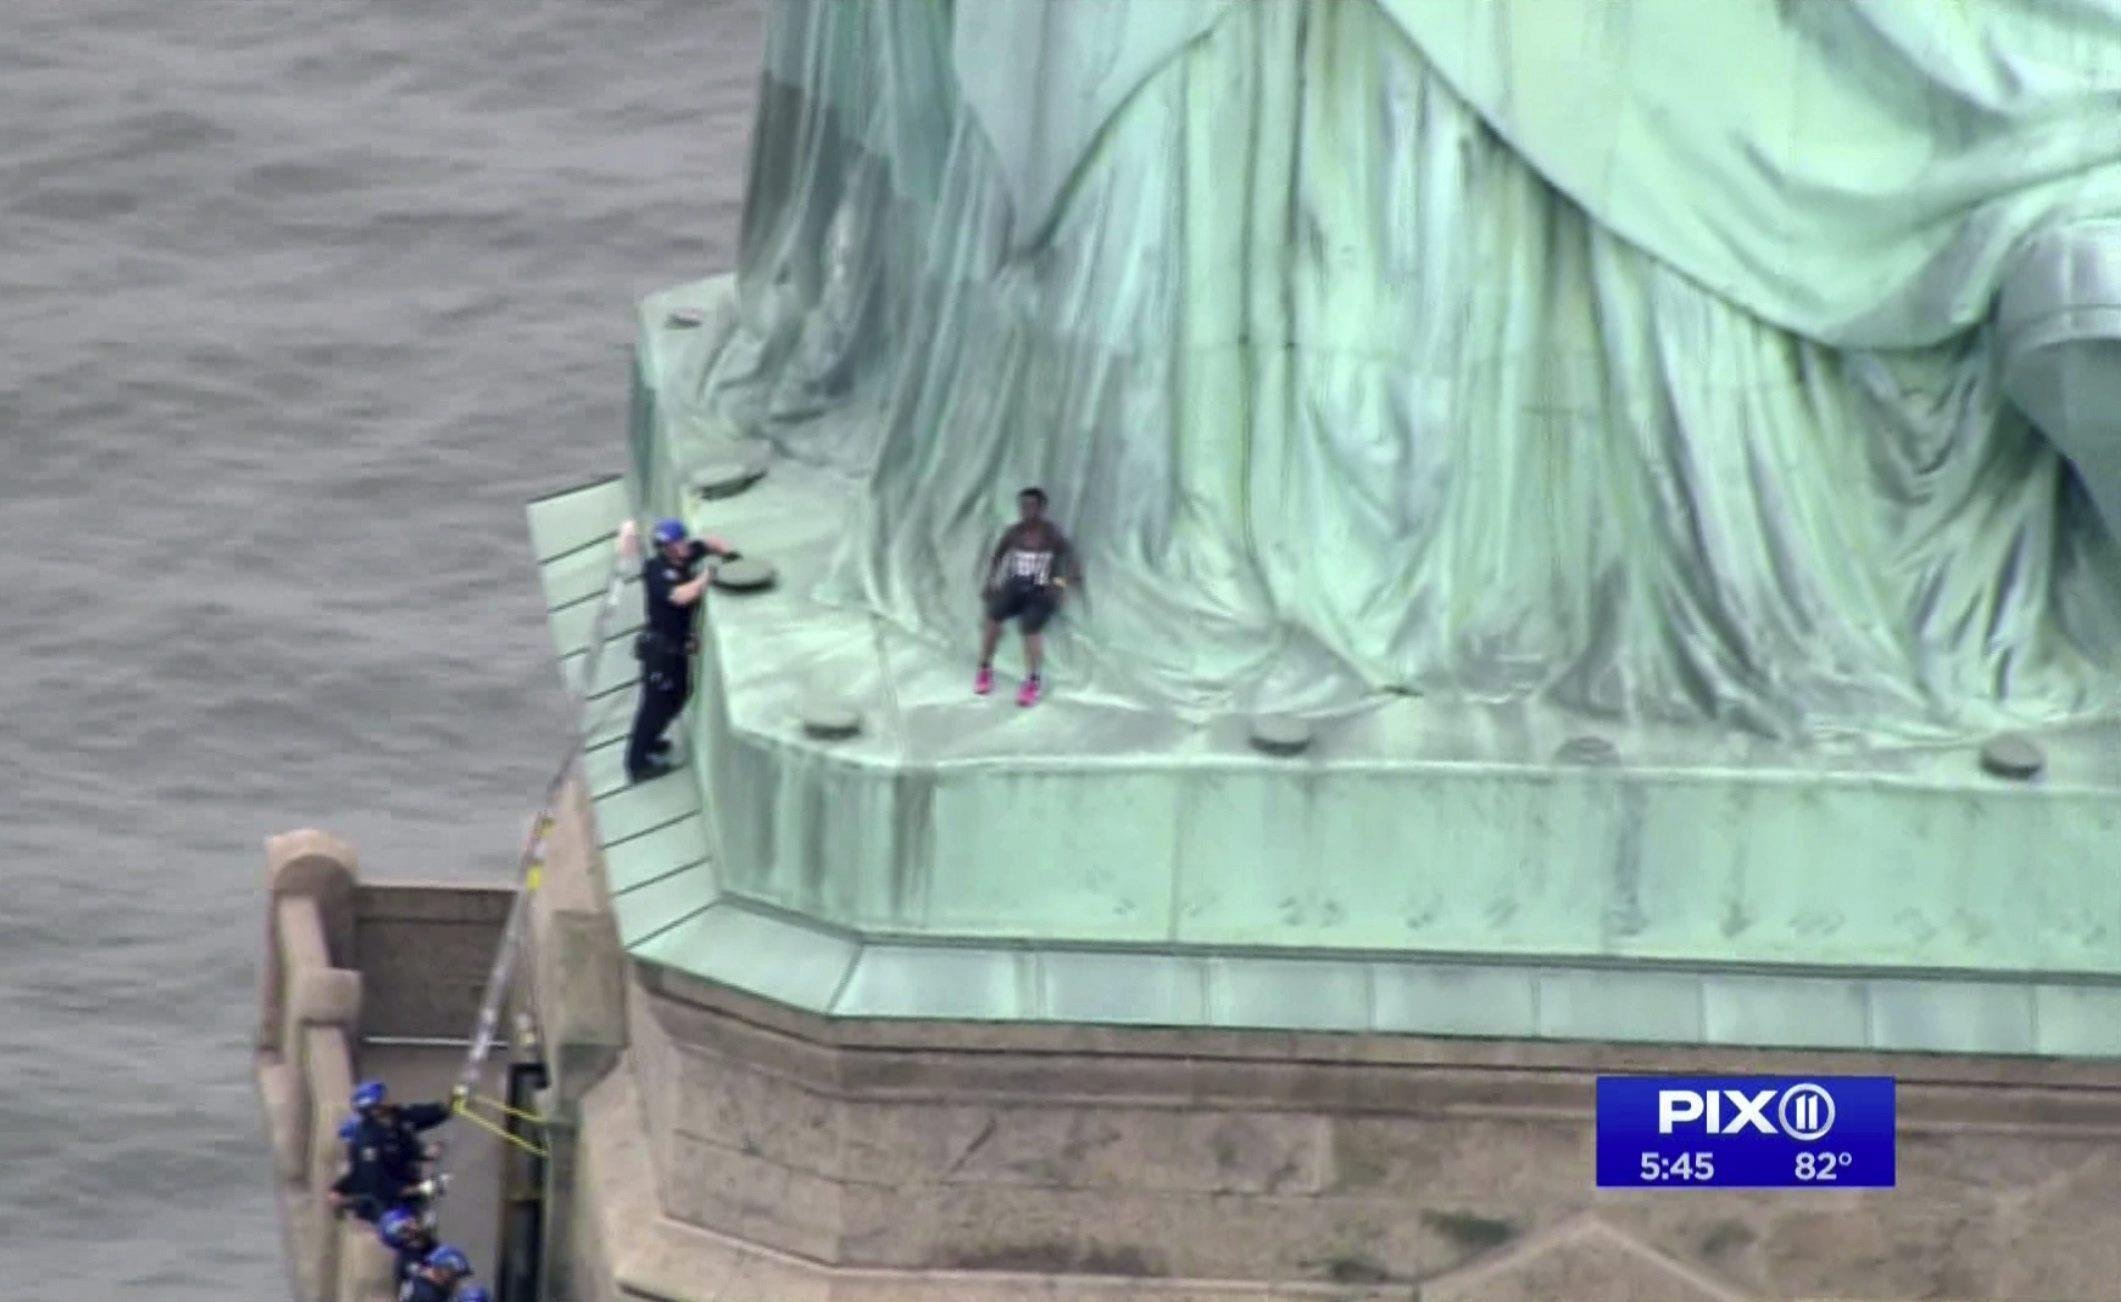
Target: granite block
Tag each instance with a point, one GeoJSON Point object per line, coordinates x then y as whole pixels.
{"type": "Point", "coordinates": [1485, 1165]}
{"type": "Point", "coordinates": [1068, 1147]}
{"type": "Point", "coordinates": [723, 1102]}
{"type": "Point", "coordinates": [751, 1198]}
{"type": "Point", "coordinates": [1197, 1236]}
{"type": "Point", "coordinates": [1582, 1260]}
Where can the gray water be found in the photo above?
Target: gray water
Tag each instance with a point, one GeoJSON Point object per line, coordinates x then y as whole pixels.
{"type": "Point", "coordinates": [299, 302]}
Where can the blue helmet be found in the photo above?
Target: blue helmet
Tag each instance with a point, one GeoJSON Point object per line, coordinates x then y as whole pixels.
{"type": "Point", "coordinates": [368, 1094]}
{"type": "Point", "coordinates": [397, 1227]}
{"type": "Point", "coordinates": [669, 533]}
{"type": "Point", "coordinates": [449, 1259]}
{"type": "Point", "coordinates": [473, 1293]}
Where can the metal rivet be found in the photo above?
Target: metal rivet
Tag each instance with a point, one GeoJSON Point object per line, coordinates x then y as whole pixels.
{"type": "Point", "coordinates": [1596, 752]}
{"type": "Point", "coordinates": [2012, 755]}
{"type": "Point", "coordinates": [1280, 734]}
{"type": "Point", "coordinates": [830, 718]}
{"type": "Point", "coordinates": [730, 471]}
{"type": "Point", "coordinates": [745, 574]}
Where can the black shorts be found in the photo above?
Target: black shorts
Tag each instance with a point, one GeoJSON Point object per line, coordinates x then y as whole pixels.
{"type": "Point", "coordinates": [1029, 604]}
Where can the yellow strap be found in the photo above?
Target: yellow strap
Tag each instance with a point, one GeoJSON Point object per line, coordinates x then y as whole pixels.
{"type": "Point", "coordinates": [482, 1123]}
{"type": "Point", "coordinates": [534, 1118]}
{"type": "Point", "coordinates": [520, 1142]}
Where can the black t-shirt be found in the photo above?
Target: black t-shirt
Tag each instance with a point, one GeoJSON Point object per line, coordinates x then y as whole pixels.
{"type": "Point", "coordinates": [1033, 554]}
{"type": "Point", "coordinates": [669, 621]}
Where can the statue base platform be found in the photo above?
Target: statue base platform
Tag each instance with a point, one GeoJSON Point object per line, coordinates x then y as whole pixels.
{"type": "Point", "coordinates": [894, 992]}
{"type": "Point", "coordinates": [1416, 867]}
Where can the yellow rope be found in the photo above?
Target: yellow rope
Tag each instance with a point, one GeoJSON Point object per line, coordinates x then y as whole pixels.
{"type": "Point", "coordinates": [520, 1142]}
{"type": "Point", "coordinates": [464, 1111]}
{"type": "Point", "coordinates": [535, 1118]}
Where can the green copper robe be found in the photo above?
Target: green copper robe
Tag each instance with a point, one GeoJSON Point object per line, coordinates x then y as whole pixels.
{"type": "Point", "coordinates": [1641, 357]}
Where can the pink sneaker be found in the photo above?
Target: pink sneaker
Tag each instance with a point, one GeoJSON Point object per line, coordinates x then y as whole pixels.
{"type": "Point", "coordinates": [1028, 694]}
{"type": "Point", "coordinates": [983, 682]}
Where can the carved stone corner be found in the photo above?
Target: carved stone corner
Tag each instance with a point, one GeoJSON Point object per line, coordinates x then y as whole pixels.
{"type": "Point", "coordinates": [316, 866]}
{"type": "Point", "coordinates": [1585, 1260]}
{"type": "Point", "coordinates": [310, 862]}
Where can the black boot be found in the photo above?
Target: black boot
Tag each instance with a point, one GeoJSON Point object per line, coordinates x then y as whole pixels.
{"type": "Point", "coordinates": [656, 768]}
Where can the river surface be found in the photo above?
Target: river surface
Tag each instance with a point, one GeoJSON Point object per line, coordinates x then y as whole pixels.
{"type": "Point", "coordinates": [298, 304]}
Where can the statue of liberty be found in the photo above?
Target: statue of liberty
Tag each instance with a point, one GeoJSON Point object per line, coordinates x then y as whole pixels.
{"type": "Point", "coordinates": [1732, 364]}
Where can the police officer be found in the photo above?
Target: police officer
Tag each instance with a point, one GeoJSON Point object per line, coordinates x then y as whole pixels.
{"type": "Point", "coordinates": [667, 644]}
{"type": "Point", "coordinates": [383, 1151]}
{"type": "Point", "coordinates": [409, 1239]}
{"type": "Point", "coordinates": [436, 1278]}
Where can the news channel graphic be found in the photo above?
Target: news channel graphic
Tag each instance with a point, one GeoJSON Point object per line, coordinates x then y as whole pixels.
{"type": "Point", "coordinates": [1745, 1132]}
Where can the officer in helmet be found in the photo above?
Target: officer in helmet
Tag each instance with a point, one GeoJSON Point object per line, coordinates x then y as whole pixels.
{"type": "Point", "coordinates": [383, 1151]}
{"type": "Point", "coordinates": [667, 642]}
{"type": "Point", "coordinates": [406, 1233]}
{"type": "Point", "coordinates": [436, 1278]}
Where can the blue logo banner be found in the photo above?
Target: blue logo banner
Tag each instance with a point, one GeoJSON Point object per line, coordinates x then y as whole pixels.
{"type": "Point", "coordinates": [1745, 1132]}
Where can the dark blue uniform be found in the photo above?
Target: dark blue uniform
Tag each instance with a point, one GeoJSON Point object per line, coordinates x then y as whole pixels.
{"type": "Point", "coordinates": [409, 1259]}
{"type": "Point", "coordinates": [666, 654]}
{"type": "Point", "coordinates": [383, 1157]}
{"type": "Point", "coordinates": [422, 1289]}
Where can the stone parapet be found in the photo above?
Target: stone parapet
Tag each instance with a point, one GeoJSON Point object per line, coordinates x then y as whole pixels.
{"type": "Point", "coordinates": [308, 1035]}
{"type": "Point", "coordinates": [342, 963]}
{"type": "Point", "coordinates": [788, 1156]}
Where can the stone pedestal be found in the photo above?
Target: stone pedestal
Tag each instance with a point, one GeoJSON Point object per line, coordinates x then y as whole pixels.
{"type": "Point", "coordinates": [945, 1010]}
{"type": "Point", "coordinates": [743, 1151]}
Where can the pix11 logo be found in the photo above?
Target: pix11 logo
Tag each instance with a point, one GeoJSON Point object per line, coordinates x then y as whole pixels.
{"type": "Point", "coordinates": [1746, 1132]}
{"type": "Point", "coordinates": [1804, 1111]}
